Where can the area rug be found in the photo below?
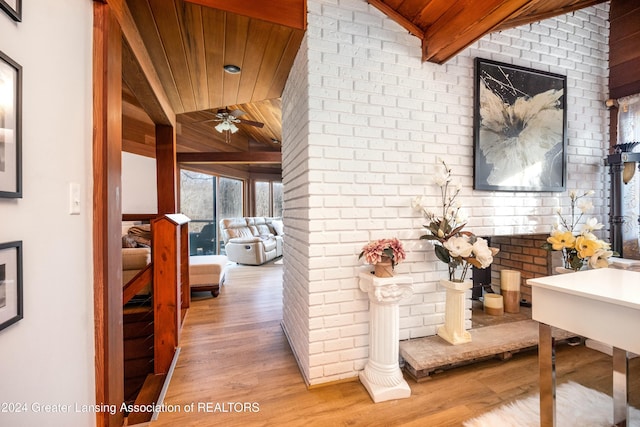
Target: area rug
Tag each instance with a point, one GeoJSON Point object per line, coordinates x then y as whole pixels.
{"type": "Point", "coordinates": [576, 405]}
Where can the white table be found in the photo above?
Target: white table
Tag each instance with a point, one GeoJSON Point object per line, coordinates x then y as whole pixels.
{"type": "Point", "coordinates": [603, 304]}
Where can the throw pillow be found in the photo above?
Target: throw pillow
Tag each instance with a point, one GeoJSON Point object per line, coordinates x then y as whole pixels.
{"type": "Point", "coordinates": [278, 227]}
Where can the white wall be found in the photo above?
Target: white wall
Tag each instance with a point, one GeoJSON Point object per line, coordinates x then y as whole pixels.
{"type": "Point", "coordinates": [363, 122]}
{"type": "Point", "coordinates": [139, 189]}
{"type": "Point", "coordinates": [48, 357]}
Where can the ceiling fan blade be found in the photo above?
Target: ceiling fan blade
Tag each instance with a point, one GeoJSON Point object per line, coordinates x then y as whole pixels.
{"type": "Point", "coordinates": [251, 123]}
{"type": "Point", "coordinates": [236, 113]}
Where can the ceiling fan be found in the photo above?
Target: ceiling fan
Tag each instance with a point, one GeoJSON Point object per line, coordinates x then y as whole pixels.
{"type": "Point", "coordinates": [228, 120]}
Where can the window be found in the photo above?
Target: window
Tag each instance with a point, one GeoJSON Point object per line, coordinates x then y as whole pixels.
{"type": "Point", "coordinates": [268, 198]}
{"type": "Point", "coordinates": [230, 199]}
{"type": "Point", "coordinates": [206, 199]}
{"type": "Point", "coordinates": [629, 119]}
{"type": "Point", "coordinates": [197, 201]}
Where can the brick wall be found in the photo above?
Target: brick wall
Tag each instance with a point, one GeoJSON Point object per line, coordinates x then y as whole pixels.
{"type": "Point", "coordinates": [363, 123]}
{"type": "Point", "coordinates": [523, 253]}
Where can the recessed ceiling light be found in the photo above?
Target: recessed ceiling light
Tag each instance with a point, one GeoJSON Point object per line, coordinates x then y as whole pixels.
{"type": "Point", "coordinates": [232, 69]}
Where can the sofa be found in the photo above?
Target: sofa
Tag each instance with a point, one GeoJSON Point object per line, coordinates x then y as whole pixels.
{"type": "Point", "coordinates": [252, 240]}
{"type": "Point", "coordinates": [136, 252]}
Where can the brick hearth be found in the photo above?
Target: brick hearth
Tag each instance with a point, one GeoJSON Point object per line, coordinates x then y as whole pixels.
{"type": "Point", "coordinates": [524, 254]}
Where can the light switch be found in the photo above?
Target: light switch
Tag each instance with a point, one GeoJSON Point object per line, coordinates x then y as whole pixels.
{"type": "Point", "coordinates": [74, 198]}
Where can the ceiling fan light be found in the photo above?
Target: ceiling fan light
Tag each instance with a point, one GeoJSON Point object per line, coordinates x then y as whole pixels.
{"type": "Point", "coordinates": [232, 69]}
{"type": "Point", "coordinates": [233, 128]}
{"type": "Point", "coordinates": [222, 126]}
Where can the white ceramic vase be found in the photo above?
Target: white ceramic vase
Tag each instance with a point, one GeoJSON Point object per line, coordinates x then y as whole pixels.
{"type": "Point", "coordinates": [453, 330]}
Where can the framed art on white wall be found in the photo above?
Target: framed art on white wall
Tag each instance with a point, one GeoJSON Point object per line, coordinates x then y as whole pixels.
{"type": "Point", "coordinates": [10, 128]}
{"type": "Point", "coordinates": [13, 8]}
{"type": "Point", "coordinates": [10, 283]}
{"type": "Point", "coordinates": [519, 128]}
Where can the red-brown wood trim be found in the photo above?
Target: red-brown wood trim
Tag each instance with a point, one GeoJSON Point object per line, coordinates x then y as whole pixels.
{"type": "Point", "coordinates": [290, 13]}
{"type": "Point", "coordinates": [138, 217]}
{"type": "Point", "coordinates": [136, 283]}
{"type": "Point", "coordinates": [166, 169]}
{"type": "Point", "coordinates": [107, 258]}
{"type": "Point", "coordinates": [184, 268]}
{"type": "Point", "coordinates": [250, 157]}
{"type": "Point", "coordinates": [166, 294]}
{"type": "Point", "coordinates": [397, 17]}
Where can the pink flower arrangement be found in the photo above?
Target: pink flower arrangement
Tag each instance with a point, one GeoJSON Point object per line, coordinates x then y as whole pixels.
{"type": "Point", "coordinates": [375, 250]}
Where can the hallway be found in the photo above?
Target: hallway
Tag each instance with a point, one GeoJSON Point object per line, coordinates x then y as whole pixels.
{"type": "Point", "coordinates": [236, 369]}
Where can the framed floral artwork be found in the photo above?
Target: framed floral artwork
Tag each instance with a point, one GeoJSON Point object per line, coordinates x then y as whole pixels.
{"type": "Point", "coordinates": [10, 128]}
{"type": "Point", "coordinates": [10, 283]}
{"type": "Point", "coordinates": [519, 128]}
{"type": "Point", "coordinates": [13, 8]}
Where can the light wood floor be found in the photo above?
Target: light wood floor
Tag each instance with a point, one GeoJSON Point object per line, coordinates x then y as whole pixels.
{"type": "Point", "coordinates": [234, 353]}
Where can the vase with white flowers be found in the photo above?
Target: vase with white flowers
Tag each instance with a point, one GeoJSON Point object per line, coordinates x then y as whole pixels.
{"type": "Point", "coordinates": [578, 244]}
{"type": "Point", "coordinates": [457, 248]}
{"type": "Point", "coordinates": [453, 245]}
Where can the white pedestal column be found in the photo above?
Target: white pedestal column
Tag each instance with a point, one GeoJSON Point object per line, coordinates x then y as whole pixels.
{"type": "Point", "coordinates": [382, 376]}
{"type": "Point", "coordinates": [453, 330]}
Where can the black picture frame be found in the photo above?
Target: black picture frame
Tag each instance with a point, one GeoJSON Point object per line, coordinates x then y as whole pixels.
{"type": "Point", "coordinates": [10, 127]}
{"type": "Point", "coordinates": [11, 304]}
{"type": "Point", "coordinates": [13, 8]}
{"type": "Point", "coordinates": [520, 121]}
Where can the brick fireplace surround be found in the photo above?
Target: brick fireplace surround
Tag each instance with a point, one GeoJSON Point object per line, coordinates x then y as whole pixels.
{"type": "Point", "coordinates": [524, 254]}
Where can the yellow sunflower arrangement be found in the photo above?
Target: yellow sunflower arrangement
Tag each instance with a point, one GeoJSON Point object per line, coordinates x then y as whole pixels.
{"type": "Point", "coordinates": [579, 246]}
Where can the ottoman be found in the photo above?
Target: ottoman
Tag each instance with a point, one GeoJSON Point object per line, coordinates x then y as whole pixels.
{"type": "Point", "coordinates": [206, 273]}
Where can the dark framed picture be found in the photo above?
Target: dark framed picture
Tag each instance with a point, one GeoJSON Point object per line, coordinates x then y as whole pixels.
{"type": "Point", "coordinates": [519, 128]}
{"type": "Point", "coordinates": [10, 127]}
{"type": "Point", "coordinates": [13, 8]}
{"type": "Point", "coordinates": [10, 283]}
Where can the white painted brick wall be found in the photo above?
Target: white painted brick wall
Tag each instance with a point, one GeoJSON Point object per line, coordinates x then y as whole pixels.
{"type": "Point", "coordinates": [363, 122]}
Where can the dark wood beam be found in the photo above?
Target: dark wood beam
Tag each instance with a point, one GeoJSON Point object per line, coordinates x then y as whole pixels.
{"type": "Point", "coordinates": [141, 75]}
{"type": "Point", "coordinates": [166, 170]}
{"type": "Point", "coordinates": [255, 157]}
{"type": "Point", "coordinates": [290, 13]}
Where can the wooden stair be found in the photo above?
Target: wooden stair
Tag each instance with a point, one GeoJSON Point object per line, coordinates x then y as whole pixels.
{"type": "Point", "coordinates": [138, 349]}
{"type": "Point", "coordinates": [148, 395]}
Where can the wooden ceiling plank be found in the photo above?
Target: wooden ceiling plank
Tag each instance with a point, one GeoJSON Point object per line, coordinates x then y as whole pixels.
{"type": "Point", "coordinates": [134, 78]}
{"type": "Point", "coordinates": [232, 157]}
{"type": "Point", "coordinates": [166, 18]}
{"type": "Point", "coordinates": [214, 43]}
{"type": "Point", "coordinates": [143, 63]}
{"type": "Point", "coordinates": [431, 13]}
{"type": "Point", "coordinates": [140, 12]}
{"type": "Point", "coordinates": [279, 36]}
{"type": "Point", "coordinates": [284, 67]}
{"type": "Point", "coordinates": [191, 27]}
{"type": "Point", "coordinates": [235, 43]}
{"type": "Point", "coordinates": [397, 17]}
{"type": "Point", "coordinates": [257, 48]}
{"type": "Point", "coordinates": [290, 13]}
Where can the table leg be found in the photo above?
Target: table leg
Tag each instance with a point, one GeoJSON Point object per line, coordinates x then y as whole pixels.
{"type": "Point", "coordinates": [547, 370]}
{"type": "Point", "coordinates": [620, 387]}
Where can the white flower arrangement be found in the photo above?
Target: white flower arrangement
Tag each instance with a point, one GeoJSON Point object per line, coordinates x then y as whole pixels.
{"type": "Point", "coordinates": [457, 248]}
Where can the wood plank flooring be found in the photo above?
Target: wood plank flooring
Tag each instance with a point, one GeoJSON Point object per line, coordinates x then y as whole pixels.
{"type": "Point", "coordinates": [237, 369]}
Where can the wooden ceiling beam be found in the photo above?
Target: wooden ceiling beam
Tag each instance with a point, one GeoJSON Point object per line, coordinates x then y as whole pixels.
{"type": "Point", "coordinates": [463, 24]}
{"type": "Point", "coordinates": [525, 18]}
{"type": "Point", "coordinates": [143, 79]}
{"type": "Point", "coordinates": [396, 16]}
{"type": "Point", "coordinates": [290, 13]}
{"type": "Point", "coordinates": [247, 158]}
